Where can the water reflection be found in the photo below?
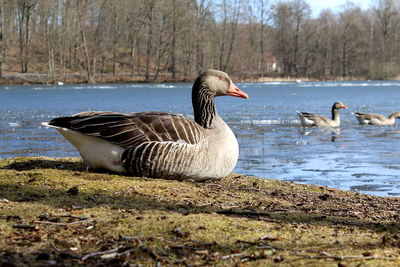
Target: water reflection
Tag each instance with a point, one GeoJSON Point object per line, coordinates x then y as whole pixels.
{"type": "Point", "coordinates": [323, 132]}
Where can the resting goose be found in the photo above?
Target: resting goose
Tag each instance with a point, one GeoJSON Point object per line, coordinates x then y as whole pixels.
{"type": "Point", "coordinates": [308, 119]}
{"type": "Point", "coordinates": [376, 119]}
{"type": "Point", "coordinates": [159, 144]}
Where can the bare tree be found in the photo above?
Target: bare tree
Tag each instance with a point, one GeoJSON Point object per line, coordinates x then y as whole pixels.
{"type": "Point", "coordinates": [262, 9]}
{"type": "Point", "coordinates": [173, 41]}
{"type": "Point", "coordinates": [353, 41]}
{"type": "Point", "coordinates": [24, 12]}
{"type": "Point", "coordinates": [90, 62]}
{"type": "Point", "coordinates": [48, 12]}
{"type": "Point", "coordinates": [283, 27]}
{"type": "Point", "coordinates": [387, 12]}
{"type": "Point", "coordinates": [162, 43]}
{"type": "Point", "coordinates": [135, 22]}
{"type": "Point", "coordinates": [182, 37]}
{"type": "Point", "coordinates": [230, 13]}
{"type": "Point", "coordinates": [326, 31]}
{"type": "Point", "coordinates": [203, 15]}
{"type": "Point", "coordinates": [149, 13]}
{"type": "Point", "coordinates": [5, 30]}
{"type": "Point", "coordinates": [301, 14]}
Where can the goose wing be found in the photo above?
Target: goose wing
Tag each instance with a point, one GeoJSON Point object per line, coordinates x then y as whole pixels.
{"type": "Point", "coordinates": [367, 118]}
{"type": "Point", "coordinates": [127, 130]}
{"type": "Point", "coordinates": [313, 119]}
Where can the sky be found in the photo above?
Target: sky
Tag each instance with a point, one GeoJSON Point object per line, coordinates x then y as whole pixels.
{"type": "Point", "coordinates": [318, 5]}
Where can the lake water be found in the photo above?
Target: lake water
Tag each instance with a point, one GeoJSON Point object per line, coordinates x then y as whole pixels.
{"type": "Point", "coordinates": [272, 143]}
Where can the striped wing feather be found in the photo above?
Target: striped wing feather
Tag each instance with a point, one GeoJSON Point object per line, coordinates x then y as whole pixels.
{"type": "Point", "coordinates": [315, 118]}
{"type": "Point", "coordinates": [368, 116]}
{"type": "Point", "coordinates": [374, 119]}
{"type": "Point", "coordinates": [127, 130]}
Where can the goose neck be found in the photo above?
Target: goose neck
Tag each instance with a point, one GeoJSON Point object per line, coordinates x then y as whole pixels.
{"type": "Point", "coordinates": [335, 114]}
{"type": "Point", "coordinates": [204, 108]}
{"type": "Point", "coordinates": [394, 115]}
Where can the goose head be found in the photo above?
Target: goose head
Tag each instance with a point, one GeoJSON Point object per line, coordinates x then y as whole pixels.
{"type": "Point", "coordinates": [338, 105]}
{"type": "Point", "coordinates": [396, 114]}
{"type": "Point", "coordinates": [335, 112]}
{"type": "Point", "coordinates": [209, 84]}
{"type": "Point", "coordinates": [216, 83]}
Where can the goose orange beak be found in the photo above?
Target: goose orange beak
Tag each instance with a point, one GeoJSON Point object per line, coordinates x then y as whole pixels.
{"type": "Point", "coordinates": [344, 106]}
{"type": "Point", "coordinates": [236, 92]}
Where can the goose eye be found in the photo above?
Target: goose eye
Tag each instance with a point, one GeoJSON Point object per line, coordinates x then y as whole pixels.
{"type": "Point", "coordinates": [222, 78]}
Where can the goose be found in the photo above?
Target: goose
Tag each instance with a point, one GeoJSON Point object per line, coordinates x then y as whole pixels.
{"type": "Point", "coordinates": [159, 144]}
{"type": "Point", "coordinates": [309, 119]}
{"type": "Point", "coordinates": [376, 119]}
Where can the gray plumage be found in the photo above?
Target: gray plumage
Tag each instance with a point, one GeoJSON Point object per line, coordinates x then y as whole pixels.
{"type": "Point", "coordinates": [159, 144]}
{"type": "Point", "coordinates": [309, 119]}
{"type": "Point", "coordinates": [376, 119]}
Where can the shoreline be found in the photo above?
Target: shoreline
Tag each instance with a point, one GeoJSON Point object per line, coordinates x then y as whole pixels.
{"type": "Point", "coordinates": [35, 79]}
{"type": "Point", "coordinates": [53, 210]}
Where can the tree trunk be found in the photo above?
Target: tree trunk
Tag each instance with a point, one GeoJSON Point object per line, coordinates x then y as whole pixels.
{"type": "Point", "coordinates": [89, 61]}
{"type": "Point", "coordinates": [173, 41]}
{"type": "Point", "coordinates": [262, 56]}
{"type": "Point", "coordinates": [149, 15]}
{"type": "Point", "coordinates": [2, 39]}
{"type": "Point", "coordinates": [234, 24]}
{"type": "Point", "coordinates": [24, 13]}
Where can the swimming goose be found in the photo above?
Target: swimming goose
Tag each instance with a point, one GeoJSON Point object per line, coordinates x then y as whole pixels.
{"type": "Point", "coordinates": [309, 119]}
{"type": "Point", "coordinates": [159, 144]}
{"type": "Point", "coordinates": [376, 119]}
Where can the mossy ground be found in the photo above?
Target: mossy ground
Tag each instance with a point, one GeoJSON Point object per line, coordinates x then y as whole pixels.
{"type": "Point", "coordinates": [52, 211]}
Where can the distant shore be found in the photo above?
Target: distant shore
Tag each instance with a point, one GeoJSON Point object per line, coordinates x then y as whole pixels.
{"type": "Point", "coordinates": [73, 78]}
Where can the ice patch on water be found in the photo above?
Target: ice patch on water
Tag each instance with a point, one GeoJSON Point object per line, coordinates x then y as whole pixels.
{"type": "Point", "coordinates": [84, 87]}
{"type": "Point", "coordinates": [165, 86]}
{"type": "Point", "coordinates": [94, 87]}
{"type": "Point", "coordinates": [349, 84]}
{"type": "Point", "coordinates": [269, 122]}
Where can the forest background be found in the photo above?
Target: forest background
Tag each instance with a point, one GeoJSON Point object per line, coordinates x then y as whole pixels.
{"type": "Point", "coordinates": [50, 41]}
